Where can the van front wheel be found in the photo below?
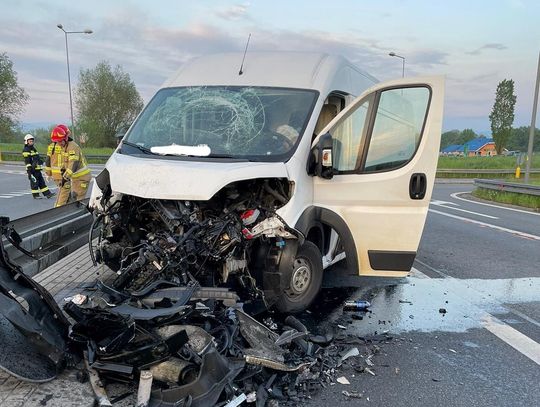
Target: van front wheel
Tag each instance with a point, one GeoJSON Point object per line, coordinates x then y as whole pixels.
{"type": "Point", "coordinates": [305, 279]}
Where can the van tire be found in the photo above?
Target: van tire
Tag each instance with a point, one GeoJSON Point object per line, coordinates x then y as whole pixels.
{"type": "Point", "coordinates": [306, 274]}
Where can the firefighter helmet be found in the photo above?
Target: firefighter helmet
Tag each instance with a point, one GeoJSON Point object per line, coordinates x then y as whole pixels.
{"type": "Point", "coordinates": [28, 137]}
{"type": "Point", "coordinates": [58, 134]}
{"type": "Point", "coordinates": [65, 128]}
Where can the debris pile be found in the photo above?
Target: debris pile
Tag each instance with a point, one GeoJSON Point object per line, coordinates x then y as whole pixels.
{"type": "Point", "coordinates": [209, 352]}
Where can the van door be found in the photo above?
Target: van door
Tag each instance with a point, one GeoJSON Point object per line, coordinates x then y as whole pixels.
{"type": "Point", "coordinates": [384, 158]}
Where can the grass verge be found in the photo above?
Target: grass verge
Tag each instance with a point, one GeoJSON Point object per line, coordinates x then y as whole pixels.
{"type": "Point", "coordinates": [512, 198]}
{"type": "Point", "coordinates": [496, 162]}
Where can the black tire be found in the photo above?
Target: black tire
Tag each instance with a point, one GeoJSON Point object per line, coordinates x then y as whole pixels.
{"type": "Point", "coordinates": [306, 273]}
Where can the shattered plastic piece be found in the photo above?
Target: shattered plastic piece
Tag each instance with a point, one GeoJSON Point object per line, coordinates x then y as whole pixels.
{"type": "Point", "coordinates": [371, 372]}
{"type": "Point", "coordinates": [215, 373]}
{"type": "Point", "coordinates": [352, 394]}
{"type": "Point", "coordinates": [77, 299]}
{"type": "Point", "coordinates": [342, 380]}
{"type": "Point", "coordinates": [250, 216]}
{"type": "Point", "coordinates": [369, 362]}
{"type": "Point", "coordinates": [452, 350]}
{"type": "Point", "coordinates": [258, 361]}
{"type": "Point", "coordinates": [342, 327]}
{"type": "Point", "coordinates": [97, 386]}
{"type": "Point", "coordinates": [236, 401]}
{"type": "Point", "coordinates": [350, 353]}
{"type": "Point", "coordinates": [251, 397]}
{"type": "Point", "coordinates": [145, 388]}
{"type": "Point", "coordinates": [288, 336]}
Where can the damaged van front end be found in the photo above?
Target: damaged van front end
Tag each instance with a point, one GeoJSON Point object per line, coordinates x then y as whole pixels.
{"type": "Point", "coordinates": [198, 195]}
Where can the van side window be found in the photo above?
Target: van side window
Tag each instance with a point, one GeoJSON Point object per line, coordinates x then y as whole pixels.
{"type": "Point", "coordinates": [397, 128]}
{"type": "Point", "coordinates": [347, 137]}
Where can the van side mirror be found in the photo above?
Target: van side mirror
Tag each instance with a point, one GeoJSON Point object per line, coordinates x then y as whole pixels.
{"type": "Point", "coordinates": [321, 158]}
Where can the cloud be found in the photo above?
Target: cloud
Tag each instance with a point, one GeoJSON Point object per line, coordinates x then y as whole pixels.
{"type": "Point", "coordinates": [495, 46]}
{"type": "Point", "coordinates": [235, 12]}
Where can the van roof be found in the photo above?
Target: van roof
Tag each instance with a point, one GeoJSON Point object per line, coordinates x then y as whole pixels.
{"type": "Point", "coordinates": [303, 70]}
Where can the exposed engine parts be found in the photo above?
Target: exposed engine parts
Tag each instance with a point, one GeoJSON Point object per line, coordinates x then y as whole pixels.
{"type": "Point", "coordinates": [220, 242]}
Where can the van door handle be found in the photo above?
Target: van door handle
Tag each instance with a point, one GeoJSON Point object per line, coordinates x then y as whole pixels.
{"type": "Point", "coordinates": [418, 186]}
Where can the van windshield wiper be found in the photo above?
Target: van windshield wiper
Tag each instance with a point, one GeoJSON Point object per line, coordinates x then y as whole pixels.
{"type": "Point", "coordinates": [137, 146]}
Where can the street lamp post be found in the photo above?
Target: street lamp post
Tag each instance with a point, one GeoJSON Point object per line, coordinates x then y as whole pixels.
{"type": "Point", "coordinates": [87, 31]}
{"type": "Point", "coordinates": [533, 125]}
{"type": "Point", "coordinates": [393, 54]}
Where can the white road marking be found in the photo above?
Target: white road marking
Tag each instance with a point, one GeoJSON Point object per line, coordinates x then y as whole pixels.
{"type": "Point", "coordinates": [489, 225]}
{"type": "Point", "coordinates": [519, 341]}
{"type": "Point", "coordinates": [455, 196]}
{"type": "Point", "coordinates": [442, 204]}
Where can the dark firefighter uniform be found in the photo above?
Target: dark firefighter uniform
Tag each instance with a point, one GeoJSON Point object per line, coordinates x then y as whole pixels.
{"type": "Point", "coordinates": [33, 169]}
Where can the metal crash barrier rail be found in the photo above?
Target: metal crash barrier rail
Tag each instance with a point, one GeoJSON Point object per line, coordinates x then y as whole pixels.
{"type": "Point", "coordinates": [49, 235]}
{"type": "Point", "coordinates": [503, 186]}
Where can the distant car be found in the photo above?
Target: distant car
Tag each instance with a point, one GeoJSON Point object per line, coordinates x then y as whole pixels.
{"type": "Point", "coordinates": [511, 153]}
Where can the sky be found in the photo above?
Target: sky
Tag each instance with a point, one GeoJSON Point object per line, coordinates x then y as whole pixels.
{"type": "Point", "coordinates": [474, 43]}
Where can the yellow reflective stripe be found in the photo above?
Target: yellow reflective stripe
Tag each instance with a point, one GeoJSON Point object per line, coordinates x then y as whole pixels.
{"type": "Point", "coordinates": [73, 158]}
{"type": "Point", "coordinates": [25, 154]}
{"type": "Point", "coordinates": [56, 171]}
{"type": "Point", "coordinates": [44, 189]}
{"type": "Point", "coordinates": [81, 173]}
{"type": "Point", "coordinates": [28, 165]}
{"type": "Point", "coordinates": [35, 191]}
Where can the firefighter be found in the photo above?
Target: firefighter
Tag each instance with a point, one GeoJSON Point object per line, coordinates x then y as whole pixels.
{"type": "Point", "coordinates": [33, 164]}
{"type": "Point", "coordinates": [67, 166]}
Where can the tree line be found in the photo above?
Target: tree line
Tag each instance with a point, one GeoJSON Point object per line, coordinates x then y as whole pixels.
{"type": "Point", "coordinates": [106, 103]}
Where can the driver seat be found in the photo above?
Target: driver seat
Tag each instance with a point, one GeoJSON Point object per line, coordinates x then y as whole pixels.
{"type": "Point", "coordinates": [328, 112]}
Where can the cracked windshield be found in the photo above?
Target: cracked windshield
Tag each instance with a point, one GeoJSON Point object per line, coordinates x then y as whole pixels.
{"type": "Point", "coordinates": [236, 122]}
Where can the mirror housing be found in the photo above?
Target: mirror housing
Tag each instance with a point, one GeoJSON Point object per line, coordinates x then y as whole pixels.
{"type": "Point", "coordinates": [321, 158]}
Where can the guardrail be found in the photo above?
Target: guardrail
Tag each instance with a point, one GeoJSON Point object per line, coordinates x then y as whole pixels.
{"type": "Point", "coordinates": [50, 235]}
{"type": "Point", "coordinates": [508, 186]}
{"type": "Point", "coordinates": [19, 157]}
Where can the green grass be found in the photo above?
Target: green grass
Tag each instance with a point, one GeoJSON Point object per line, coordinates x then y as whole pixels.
{"type": "Point", "coordinates": [527, 201]}
{"type": "Point", "coordinates": [496, 162]}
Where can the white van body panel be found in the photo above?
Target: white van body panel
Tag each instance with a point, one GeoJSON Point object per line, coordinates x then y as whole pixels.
{"type": "Point", "coordinates": [377, 207]}
{"type": "Point", "coordinates": [299, 70]}
{"type": "Point", "coordinates": [185, 180]}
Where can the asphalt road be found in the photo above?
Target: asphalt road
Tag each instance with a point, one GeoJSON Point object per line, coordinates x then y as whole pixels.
{"type": "Point", "coordinates": [16, 200]}
{"type": "Point", "coordinates": [478, 263]}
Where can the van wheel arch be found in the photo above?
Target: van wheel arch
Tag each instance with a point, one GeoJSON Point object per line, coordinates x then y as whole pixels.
{"type": "Point", "coordinates": [315, 218]}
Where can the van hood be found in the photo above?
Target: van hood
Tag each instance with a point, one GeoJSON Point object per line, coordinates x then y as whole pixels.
{"type": "Point", "coordinates": [183, 179]}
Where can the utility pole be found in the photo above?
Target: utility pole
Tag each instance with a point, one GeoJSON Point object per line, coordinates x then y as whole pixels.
{"type": "Point", "coordinates": [533, 124]}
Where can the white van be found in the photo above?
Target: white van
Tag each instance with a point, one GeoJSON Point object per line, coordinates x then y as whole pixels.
{"type": "Point", "coordinates": [263, 177]}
